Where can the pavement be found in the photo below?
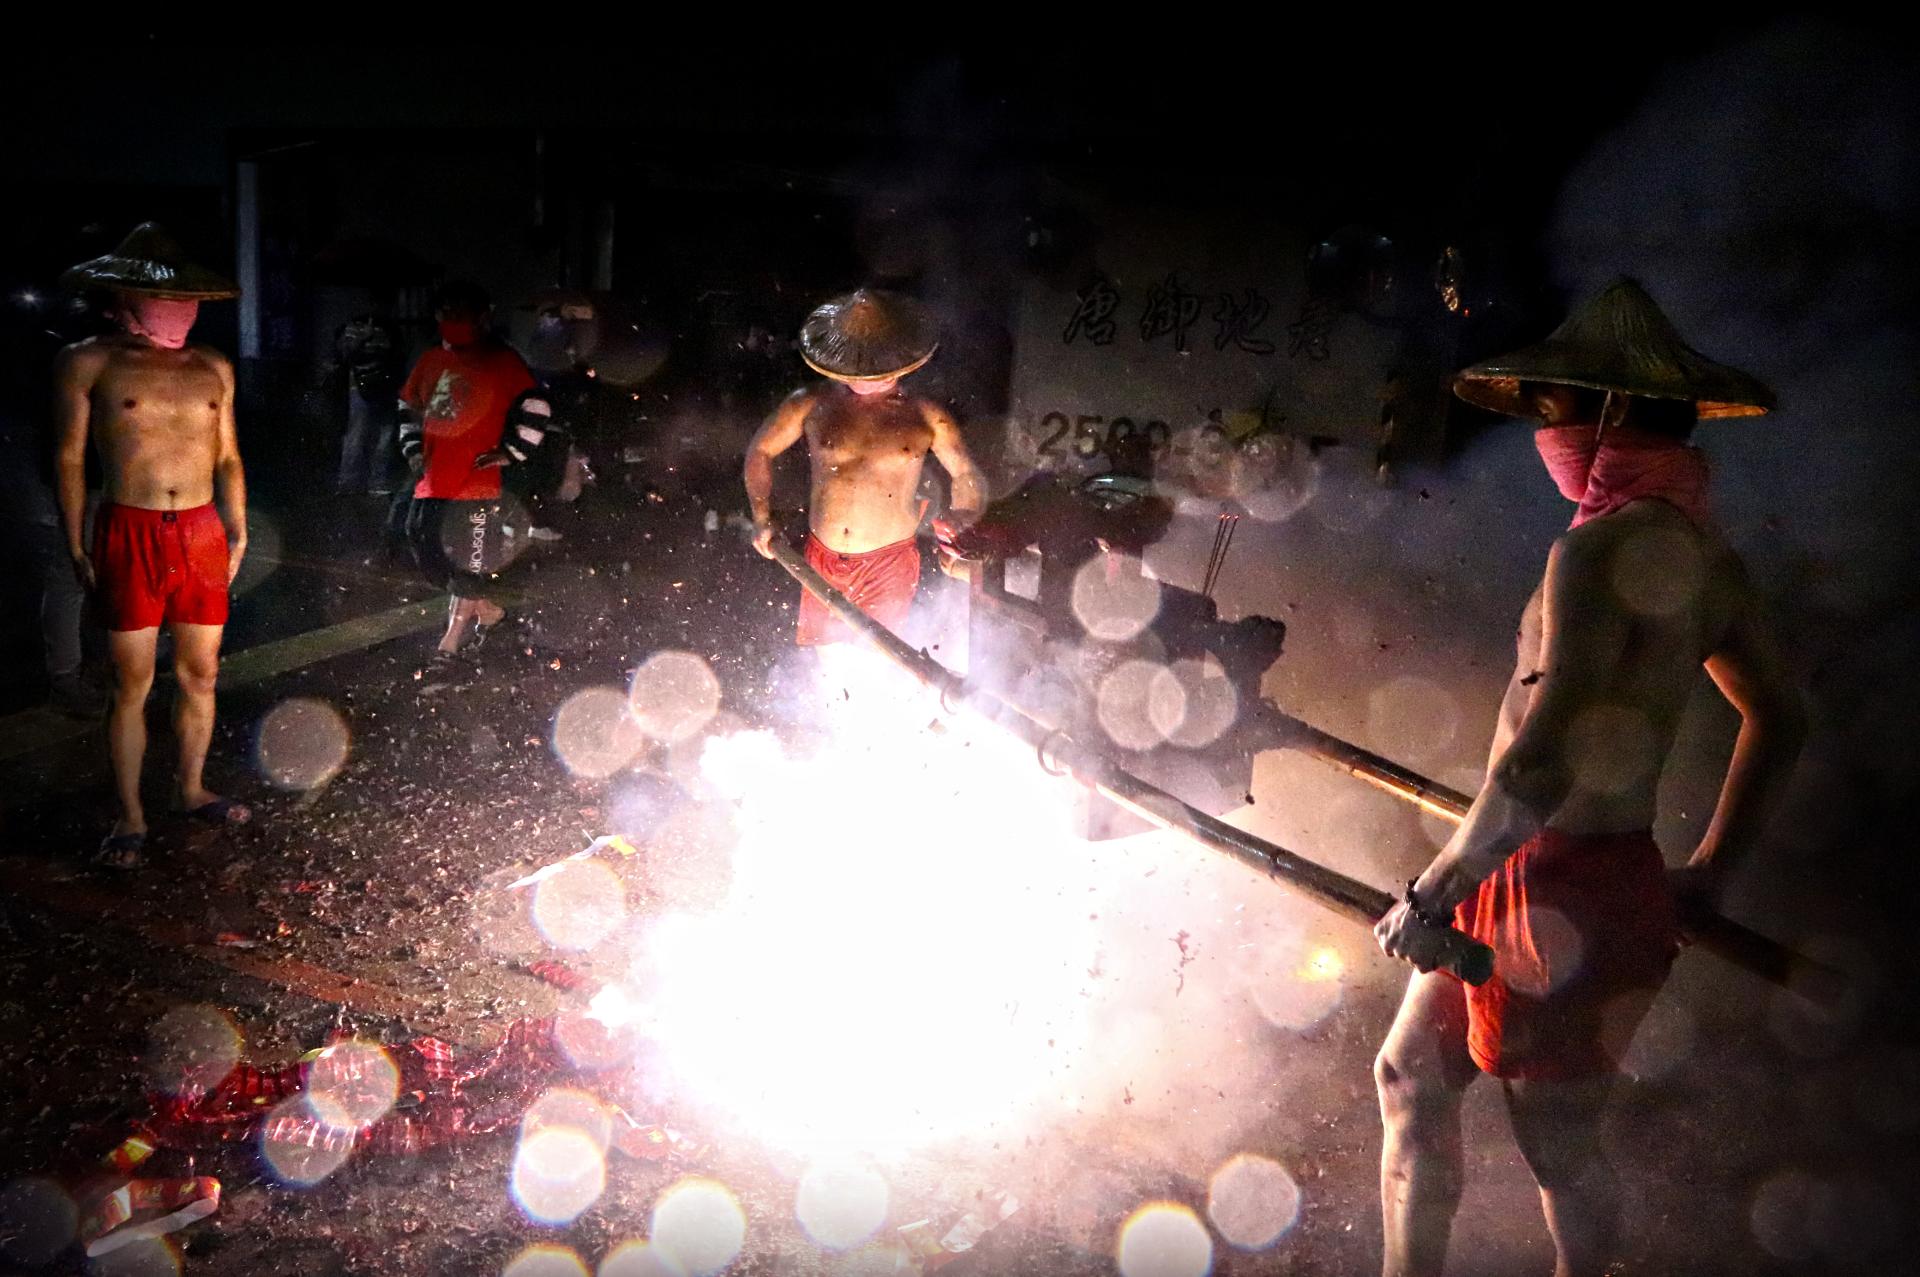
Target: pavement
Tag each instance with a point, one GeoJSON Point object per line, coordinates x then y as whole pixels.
{"type": "Point", "coordinates": [393, 805]}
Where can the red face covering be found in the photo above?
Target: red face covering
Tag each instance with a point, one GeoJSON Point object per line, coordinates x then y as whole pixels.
{"type": "Point", "coordinates": [1605, 469]}
{"type": "Point", "coordinates": [459, 332]}
{"type": "Point", "coordinates": [163, 321]}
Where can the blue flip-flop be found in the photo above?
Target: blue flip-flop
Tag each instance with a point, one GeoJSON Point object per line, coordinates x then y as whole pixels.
{"type": "Point", "coordinates": [220, 813]}
{"type": "Point", "coordinates": [121, 852]}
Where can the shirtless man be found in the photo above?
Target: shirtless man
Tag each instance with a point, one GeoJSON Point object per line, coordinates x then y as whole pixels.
{"type": "Point", "coordinates": [1555, 865]}
{"type": "Point", "coordinates": [160, 415]}
{"type": "Point", "coordinates": [867, 443]}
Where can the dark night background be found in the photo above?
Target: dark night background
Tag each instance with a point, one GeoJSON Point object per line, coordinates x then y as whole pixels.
{"type": "Point", "coordinates": [1757, 174]}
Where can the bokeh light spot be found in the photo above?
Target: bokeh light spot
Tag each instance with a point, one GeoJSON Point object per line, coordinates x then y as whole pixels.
{"type": "Point", "coordinates": [1124, 705]}
{"type": "Point", "coordinates": [639, 1259]}
{"type": "Point", "coordinates": [38, 1220]}
{"type": "Point", "coordinates": [674, 695]}
{"type": "Point", "coordinates": [302, 743]}
{"type": "Point", "coordinates": [558, 1172]}
{"type": "Point", "coordinates": [190, 1049]}
{"type": "Point", "coordinates": [1658, 571]}
{"type": "Point", "coordinates": [1663, 1041]}
{"type": "Point", "coordinates": [1164, 1239]}
{"type": "Point", "coordinates": [1115, 597]}
{"type": "Point", "coordinates": [298, 1148]}
{"type": "Point", "coordinates": [545, 1260]}
{"type": "Point", "coordinates": [594, 735]}
{"type": "Point", "coordinates": [592, 1042]}
{"type": "Point", "coordinates": [1274, 477]}
{"type": "Point", "coordinates": [1782, 1214]}
{"type": "Point", "coordinates": [1253, 1201]}
{"type": "Point", "coordinates": [1292, 980]}
{"type": "Point", "coordinates": [1412, 717]}
{"type": "Point", "coordinates": [570, 1109]}
{"type": "Point", "coordinates": [353, 1084]}
{"type": "Point", "coordinates": [144, 1257]}
{"type": "Point", "coordinates": [1192, 702]}
{"type": "Point", "coordinates": [700, 1226]}
{"type": "Point", "coordinates": [484, 544]}
{"type": "Point", "coordinates": [579, 906]}
{"type": "Point", "coordinates": [841, 1204]}
{"type": "Point", "coordinates": [1612, 748]}
{"type": "Point", "coordinates": [1555, 952]}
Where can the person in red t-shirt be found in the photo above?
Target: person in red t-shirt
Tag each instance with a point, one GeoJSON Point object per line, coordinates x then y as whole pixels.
{"type": "Point", "coordinates": [455, 407]}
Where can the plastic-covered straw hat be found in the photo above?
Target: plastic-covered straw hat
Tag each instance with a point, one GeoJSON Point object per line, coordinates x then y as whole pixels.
{"type": "Point", "coordinates": [150, 263]}
{"type": "Point", "coordinates": [1620, 341]}
{"type": "Point", "coordinates": [868, 335]}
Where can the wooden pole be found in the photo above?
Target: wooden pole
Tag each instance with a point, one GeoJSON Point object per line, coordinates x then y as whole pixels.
{"type": "Point", "coordinates": [1461, 954]}
{"type": "Point", "coordinates": [1714, 932]}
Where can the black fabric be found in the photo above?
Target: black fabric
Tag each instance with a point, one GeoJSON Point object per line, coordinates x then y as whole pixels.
{"type": "Point", "coordinates": [460, 546]}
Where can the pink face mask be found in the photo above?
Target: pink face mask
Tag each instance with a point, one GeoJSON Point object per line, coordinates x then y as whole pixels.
{"type": "Point", "coordinates": [164, 321]}
{"type": "Point", "coordinates": [1603, 470]}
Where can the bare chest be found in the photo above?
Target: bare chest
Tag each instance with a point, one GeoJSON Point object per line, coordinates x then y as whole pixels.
{"type": "Point", "coordinates": [846, 435]}
{"type": "Point", "coordinates": [135, 405]}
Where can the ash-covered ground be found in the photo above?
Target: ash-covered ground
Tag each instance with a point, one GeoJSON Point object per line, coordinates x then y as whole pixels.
{"type": "Point", "coordinates": [371, 893]}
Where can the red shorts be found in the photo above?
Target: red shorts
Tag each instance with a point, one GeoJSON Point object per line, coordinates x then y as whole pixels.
{"type": "Point", "coordinates": [155, 566]}
{"type": "Point", "coordinates": [1583, 930]}
{"type": "Point", "coordinates": [880, 583]}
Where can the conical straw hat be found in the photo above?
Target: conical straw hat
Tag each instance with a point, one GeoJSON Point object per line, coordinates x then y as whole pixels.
{"type": "Point", "coordinates": [868, 335]}
{"type": "Point", "coordinates": [150, 263]}
{"type": "Point", "coordinates": [1619, 341]}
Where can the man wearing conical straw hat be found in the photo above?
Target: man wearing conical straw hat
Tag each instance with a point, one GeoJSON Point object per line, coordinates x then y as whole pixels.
{"type": "Point", "coordinates": [159, 413]}
{"type": "Point", "coordinates": [867, 442]}
{"type": "Point", "coordinates": [1555, 866]}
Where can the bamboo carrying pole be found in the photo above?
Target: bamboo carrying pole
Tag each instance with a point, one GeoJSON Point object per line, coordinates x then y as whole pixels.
{"type": "Point", "coordinates": [1714, 932]}
{"type": "Point", "coordinates": [1461, 954]}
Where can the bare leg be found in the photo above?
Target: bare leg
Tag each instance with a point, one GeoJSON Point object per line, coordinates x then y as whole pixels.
{"type": "Point", "coordinates": [464, 613]}
{"type": "Point", "coordinates": [132, 654]}
{"type": "Point", "coordinates": [459, 616]}
{"type": "Point", "coordinates": [196, 664]}
{"type": "Point", "coordinates": [1558, 1127]}
{"type": "Point", "coordinates": [1421, 1072]}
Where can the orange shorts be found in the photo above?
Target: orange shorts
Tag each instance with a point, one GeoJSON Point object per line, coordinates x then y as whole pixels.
{"type": "Point", "coordinates": [157, 566]}
{"type": "Point", "coordinates": [879, 582]}
{"type": "Point", "coordinates": [1583, 931]}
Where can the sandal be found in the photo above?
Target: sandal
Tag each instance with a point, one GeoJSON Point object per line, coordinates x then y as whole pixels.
{"type": "Point", "coordinates": [121, 852]}
{"type": "Point", "coordinates": [220, 813]}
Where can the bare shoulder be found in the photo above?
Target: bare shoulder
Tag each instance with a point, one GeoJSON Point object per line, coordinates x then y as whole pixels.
{"type": "Point", "coordinates": [88, 355]}
{"type": "Point", "coordinates": [215, 362]}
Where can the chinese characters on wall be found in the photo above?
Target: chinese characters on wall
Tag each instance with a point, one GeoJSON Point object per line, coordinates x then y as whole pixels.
{"type": "Point", "coordinates": [1171, 309]}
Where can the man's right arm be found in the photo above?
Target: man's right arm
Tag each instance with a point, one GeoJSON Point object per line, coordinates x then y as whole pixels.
{"type": "Point", "coordinates": [411, 427]}
{"type": "Point", "coordinates": [73, 377]}
{"type": "Point", "coordinates": [779, 432]}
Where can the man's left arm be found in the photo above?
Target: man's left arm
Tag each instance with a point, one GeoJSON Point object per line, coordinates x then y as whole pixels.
{"type": "Point", "coordinates": [967, 487]}
{"type": "Point", "coordinates": [229, 477]}
{"type": "Point", "coordinates": [1583, 639]}
{"type": "Point", "coordinates": [968, 496]}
